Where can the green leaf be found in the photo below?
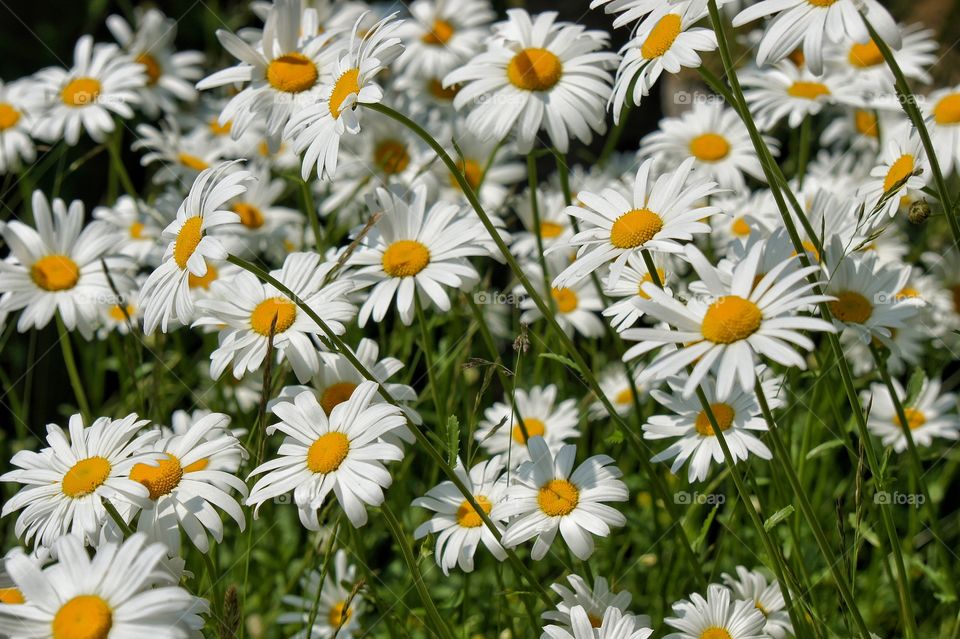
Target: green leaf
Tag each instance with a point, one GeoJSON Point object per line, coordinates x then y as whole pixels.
{"type": "Point", "coordinates": [705, 527]}
{"type": "Point", "coordinates": [615, 438]}
{"type": "Point", "coordinates": [453, 440]}
{"type": "Point", "coordinates": [566, 361]}
{"type": "Point", "coordinates": [777, 517]}
{"type": "Point", "coordinates": [917, 378]}
{"type": "Point", "coordinates": [824, 448]}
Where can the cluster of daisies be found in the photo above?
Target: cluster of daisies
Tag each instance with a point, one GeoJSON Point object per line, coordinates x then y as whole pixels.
{"type": "Point", "coordinates": [355, 168]}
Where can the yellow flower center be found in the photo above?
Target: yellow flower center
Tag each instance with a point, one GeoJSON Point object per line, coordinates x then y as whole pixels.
{"type": "Point", "coordinates": [391, 157]}
{"type": "Point", "coordinates": [550, 230]}
{"type": "Point", "coordinates": [899, 170]}
{"type": "Point", "coordinates": [9, 116]}
{"type": "Point", "coordinates": [192, 162]}
{"type": "Point", "coordinates": [467, 515]}
{"type": "Point", "coordinates": [440, 34]}
{"type": "Point", "coordinates": [347, 84]}
{"type": "Point", "coordinates": [203, 282]}
{"type": "Point", "coordinates": [119, 313]}
{"type": "Point", "coordinates": [947, 110]}
{"type": "Point", "coordinates": [731, 319]}
{"type": "Point", "coordinates": [328, 452]}
{"type": "Point", "coordinates": [908, 292]}
{"type": "Point", "coordinates": [437, 90]}
{"type": "Point", "coordinates": [220, 129]}
{"type": "Point", "coordinates": [55, 273]}
{"type": "Point", "coordinates": [472, 171]}
{"type": "Point", "coordinates": [80, 92]}
{"type": "Point", "coordinates": [336, 394]}
{"type": "Point", "coordinates": [136, 230]}
{"type": "Point", "coordinates": [915, 418]}
{"type": "Point", "coordinates": [808, 90]}
{"type": "Point", "coordinates": [558, 497]}
{"type": "Point", "coordinates": [11, 596]}
{"type": "Point", "coordinates": [339, 614]}
{"type": "Point", "coordinates": [405, 258]}
{"type": "Point", "coordinates": [152, 68]}
{"type": "Point", "coordinates": [865, 55]}
{"type": "Point", "coordinates": [740, 227]}
{"type": "Point", "coordinates": [262, 317]}
{"type": "Point", "coordinates": [625, 396]}
{"type": "Point", "coordinates": [83, 617]}
{"type": "Point", "coordinates": [866, 123]}
{"type": "Point", "coordinates": [534, 428]}
{"type": "Point", "coordinates": [635, 228]}
{"type": "Point", "coordinates": [851, 306]}
{"type": "Point", "coordinates": [722, 412]}
{"type": "Point", "coordinates": [196, 466]}
{"type": "Point", "coordinates": [187, 240]}
{"type": "Point", "coordinates": [565, 298]}
{"type": "Point", "coordinates": [534, 70]}
{"type": "Point", "coordinates": [661, 37]}
{"type": "Point", "coordinates": [713, 632]}
{"type": "Point", "coordinates": [250, 215]}
{"type": "Point", "coordinates": [709, 147]}
{"type": "Point", "coordinates": [292, 73]}
{"type": "Point", "coordinates": [159, 479]}
{"type": "Point", "coordinates": [647, 278]}
{"type": "Point", "coordinates": [85, 476]}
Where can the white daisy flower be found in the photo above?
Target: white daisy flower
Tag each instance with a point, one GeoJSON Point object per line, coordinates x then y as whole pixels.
{"type": "Point", "coordinates": [667, 42]}
{"type": "Point", "coordinates": [489, 166]}
{"type": "Point", "coordinates": [944, 126]}
{"type": "Point", "coordinates": [865, 64]}
{"type": "Point", "coordinates": [283, 72]}
{"type": "Point", "coordinates": [737, 415]}
{"type": "Point", "coordinates": [507, 426]}
{"type": "Point", "coordinates": [249, 310]}
{"type": "Point", "coordinates": [619, 390]}
{"type": "Point", "coordinates": [262, 222]}
{"type": "Point", "coordinates": [166, 295]}
{"type": "Point", "coordinates": [786, 91]}
{"type": "Point", "coordinates": [749, 216]}
{"type": "Point", "coordinates": [137, 223]}
{"type": "Point", "coordinates": [178, 157]}
{"type": "Point", "coordinates": [227, 460]}
{"type": "Point", "coordinates": [657, 216]}
{"type": "Point", "coordinates": [458, 526]}
{"type": "Point", "coordinates": [629, 286]}
{"type": "Point", "coordinates": [342, 453]}
{"type": "Point", "coordinates": [594, 601]}
{"type": "Point", "coordinates": [814, 23]}
{"type": "Point", "coordinates": [613, 625]}
{"type": "Point", "coordinates": [123, 591]}
{"type": "Point", "coordinates": [931, 414]}
{"type": "Point", "coordinates": [555, 227]}
{"type": "Point", "coordinates": [317, 129]}
{"type": "Point", "coordinates": [122, 314]}
{"type": "Point", "coordinates": [902, 166]}
{"type": "Point", "coordinates": [442, 34]}
{"type": "Point", "coordinates": [170, 74]}
{"type": "Point", "coordinates": [716, 617]}
{"type": "Point", "coordinates": [536, 73]}
{"type": "Point", "coordinates": [766, 597]}
{"type": "Point", "coordinates": [414, 251]}
{"type": "Point", "coordinates": [327, 603]}
{"type": "Point", "coordinates": [715, 137]}
{"type": "Point", "coordinates": [65, 483]}
{"type": "Point", "coordinates": [637, 10]}
{"type": "Point", "coordinates": [549, 496]}
{"type": "Point", "coordinates": [103, 82]}
{"type": "Point", "coordinates": [19, 108]}
{"type": "Point", "coordinates": [184, 488]}
{"type": "Point", "coordinates": [577, 305]}
{"type": "Point", "coordinates": [58, 267]}
{"type": "Point", "coordinates": [739, 320]}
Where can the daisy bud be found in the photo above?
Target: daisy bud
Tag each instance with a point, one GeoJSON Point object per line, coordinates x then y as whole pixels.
{"type": "Point", "coordinates": [919, 212]}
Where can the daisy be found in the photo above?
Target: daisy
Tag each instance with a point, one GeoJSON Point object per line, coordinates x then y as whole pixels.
{"type": "Point", "coordinates": [594, 601]}
{"type": "Point", "coordinates": [442, 34]}
{"type": "Point", "coordinates": [342, 453]}
{"type": "Point", "coordinates": [619, 391]}
{"type": "Point", "coordinates": [715, 137]}
{"type": "Point", "coordinates": [749, 216]}
{"type": "Point", "coordinates": [123, 591]}
{"type": "Point", "coordinates": [657, 216]}
{"type": "Point", "coordinates": [135, 222]}
{"type": "Point", "coordinates": [944, 126]}
{"type": "Point", "coordinates": [413, 251]}
{"type": "Point", "coordinates": [177, 157]}
{"type": "Point", "coordinates": [317, 129]}
{"type": "Point", "coordinates": [629, 286]}
{"type": "Point", "coordinates": [170, 74]}
{"type": "Point", "coordinates": [786, 91]}
{"type": "Point", "coordinates": [555, 228]}
{"type": "Point", "coordinates": [865, 293]}
{"type": "Point", "coordinates": [228, 459]}
{"type": "Point", "coordinates": [716, 616]}
{"type": "Point", "coordinates": [57, 267]}
{"type": "Point", "coordinates": [459, 527]}
{"type": "Point", "coordinates": [613, 625]}
{"type": "Point", "coordinates": [930, 414]}
{"type": "Point", "coordinates": [184, 490]}
{"type": "Point", "coordinates": [668, 43]}
{"type": "Point", "coordinates": [865, 64]}
{"type": "Point", "coordinates": [123, 314]}
{"type": "Point", "coordinates": [814, 24]}
{"type": "Point", "coordinates": [753, 586]}
{"type": "Point", "coordinates": [19, 107]}
{"type": "Point", "coordinates": [253, 312]}
{"type": "Point", "coordinates": [548, 498]}
{"type": "Point", "coordinates": [262, 222]}
{"type": "Point", "coordinates": [637, 10]}
{"type": "Point", "coordinates": [326, 602]}
{"type": "Point", "coordinates": [737, 415]}
{"type": "Point", "coordinates": [283, 72]}
{"type": "Point", "coordinates": [166, 294]}
{"type": "Point", "coordinates": [536, 73]}
{"type": "Point", "coordinates": [507, 426]}
{"type": "Point", "coordinates": [489, 166]}
{"type": "Point", "coordinates": [103, 82]}
{"type": "Point", "coordinates": [65, 483]}
{"type": "Point", "coordinates": [576, 305]}
{"type": "Point", "coordinates": [739, 320]}
{"type": "Point", "coordinates": [902, 166]}
{"type": "Point", "coordinates": [858, 129]}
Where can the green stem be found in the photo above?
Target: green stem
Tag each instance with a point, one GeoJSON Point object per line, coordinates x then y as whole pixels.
{"type": "Point", "coordinates": [116, 163]}
{"type": "Point", "coordinates": [438, 406]}
{"type": "Point", "coordinates": [72, 372]}
{"type": "Point", "coordinates": [803, 153]}
{"type": "Point", "coordinates": [311, 210]}
{"type": "Point", "coordinates": [117, 519]}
